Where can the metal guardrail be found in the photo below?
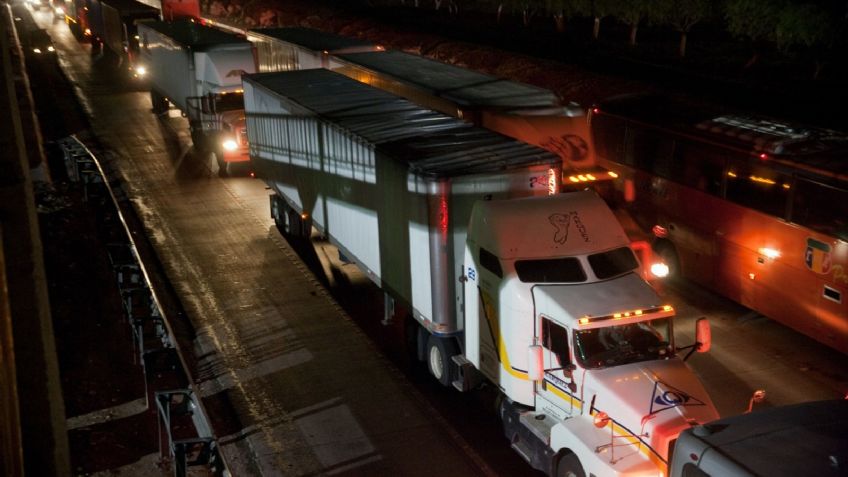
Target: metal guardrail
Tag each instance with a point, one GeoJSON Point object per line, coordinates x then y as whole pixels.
{"type": "Point", "coordinates": [150, 328]}
{"type": "Point", "coordinates": [11, 453]}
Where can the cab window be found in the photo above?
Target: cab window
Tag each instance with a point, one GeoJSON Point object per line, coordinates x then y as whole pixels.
{"type": "Point", "coordinates": [555, 338]}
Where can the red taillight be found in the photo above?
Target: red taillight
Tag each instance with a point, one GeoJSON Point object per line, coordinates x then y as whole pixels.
{"type": "Point", "coordinates": [764, 156]}
{"type": "Point", "coordinates": [659, 231]}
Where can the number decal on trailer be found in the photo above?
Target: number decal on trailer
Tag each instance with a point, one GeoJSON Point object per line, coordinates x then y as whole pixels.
{"type": "Point", "coordinates": [472, 274]}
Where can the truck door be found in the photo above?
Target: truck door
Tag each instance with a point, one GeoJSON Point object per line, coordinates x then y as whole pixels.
{"type": "Point", "coordinates": [557, 389]}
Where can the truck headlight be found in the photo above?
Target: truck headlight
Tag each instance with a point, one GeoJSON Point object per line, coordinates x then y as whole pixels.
{"type": "Point", "coordinates": [659, 270]}
{"type": "Point", "coordinates": [230, 145]}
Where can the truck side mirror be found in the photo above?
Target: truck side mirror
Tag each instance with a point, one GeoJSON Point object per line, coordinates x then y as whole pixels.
{"type": "Point", "coordinates": [535, 363]}
{"type": "Point", "coordinates": [703, 335]}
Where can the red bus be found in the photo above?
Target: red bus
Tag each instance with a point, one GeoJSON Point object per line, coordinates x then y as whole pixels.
{"type": "Point", "coordinates": [753, 208]}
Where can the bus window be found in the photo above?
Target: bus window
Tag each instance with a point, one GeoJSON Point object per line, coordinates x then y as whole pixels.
{"type": "Point", "coordinates": [698, 166]}
{"type": "Point", "coordinates": [821, 208]}
{"type": "Point", "coordinates": [759, 188]}
{"type": "Point", "coordinates": [649, 151]}
{"type": "Point", "coordinates": [608, 135]}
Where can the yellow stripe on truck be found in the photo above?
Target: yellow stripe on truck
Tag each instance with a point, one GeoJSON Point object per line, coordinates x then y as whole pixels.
{"type": "Point", "coordinates": [494, 324]}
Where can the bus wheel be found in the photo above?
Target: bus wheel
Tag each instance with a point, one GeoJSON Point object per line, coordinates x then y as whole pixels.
{"type": "Point", "coordinates": [439, 354]}
{"type": "Point", "coordinates": [569, 466]}
{"type": "Point", "coordinates": [669, 256]}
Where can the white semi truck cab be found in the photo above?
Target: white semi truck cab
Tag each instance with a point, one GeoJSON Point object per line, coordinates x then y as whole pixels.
{"type": "Point", "coordinates": [198, 69]}
{"type": "Point", "coordinates": [502, 277]}
{"type": "Point", "coordinates": [557, 316]}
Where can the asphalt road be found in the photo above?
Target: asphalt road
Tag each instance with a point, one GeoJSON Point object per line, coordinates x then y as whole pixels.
{"type": "Point", "coordinates": [233, 271]}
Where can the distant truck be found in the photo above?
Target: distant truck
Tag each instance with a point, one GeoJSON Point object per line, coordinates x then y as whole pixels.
{"type": "Point", "coordinates": [504, 278]}
{"type": "Point", "coordinates": [198, 69]}
{"type": "Point", "coordinates": [788, 441]}
{"type": "Point", "coordinates": [114, 24]}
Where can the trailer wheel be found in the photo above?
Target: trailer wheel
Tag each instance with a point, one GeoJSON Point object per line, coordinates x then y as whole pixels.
{"type": "Point", "coordinates": [159, 103]}
{"type": "Point", "coordinates": [439, 353]}
{"type": "Point", "coordinates": [569, 466]}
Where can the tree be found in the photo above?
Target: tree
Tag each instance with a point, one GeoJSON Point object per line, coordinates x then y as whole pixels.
{"type": "Point", "coordinates": [632, 12]}
{"type": "Point", "coordinates": [682, 15]}
{"type": "Point", "coordinates": [597, 9]}
{"type": "Point", "coordinates": [755, 20]}
{"type": "Point", "coordinates": [561, 10]}
{"type": "Point", "coordinates": [528, 8]}
{"type": "Point", "coordinates": [808, 27]}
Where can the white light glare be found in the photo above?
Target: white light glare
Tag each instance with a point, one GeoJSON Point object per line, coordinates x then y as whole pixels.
{"type": "Point", "coordinates": [659, 270]}
{"type": "Point", "coordinates": [230, 145]}
{"type": "Point", "coordinates": [140, 70]}
{"type": "Point", "coordinates": [770, 252]}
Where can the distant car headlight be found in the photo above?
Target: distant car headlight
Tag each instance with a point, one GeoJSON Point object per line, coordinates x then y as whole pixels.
{"type": "Point", "coordinates": [230, 145]}
{"type": "Point", "coordinates": [50, 48]}
{"type": "Point", "coordinates": [36, 50]}
{"type": "Point", "coordinates": [140, 71]}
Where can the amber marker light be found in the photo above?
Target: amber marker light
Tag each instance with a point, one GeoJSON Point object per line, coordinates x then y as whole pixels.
{"type": "Point", "coordinates": [601, 420]}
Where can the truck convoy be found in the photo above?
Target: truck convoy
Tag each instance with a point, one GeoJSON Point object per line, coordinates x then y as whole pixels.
{"type": "Point", "coordinates": [528, 113]}
{"type": "Point", "coordinates": [508, 280]}
{"type": "Point", "coordinates": [198, 69]}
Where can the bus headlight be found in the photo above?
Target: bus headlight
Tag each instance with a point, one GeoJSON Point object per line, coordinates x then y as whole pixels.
{"type": "Point", "coordinates": [230, 145]}
{"type": "Point", "coordinates": [659, 270]}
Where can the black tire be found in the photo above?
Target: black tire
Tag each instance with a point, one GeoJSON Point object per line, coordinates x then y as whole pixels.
{"type": "Point", "coordinates": [569, 466]}
{"type": "Point", "coordinates": [278, 213]}
{"type": "Point", "coordinates": [223, 166]}
{"type": "Point", "coordinates": [199, 142]}
{"type": "Point", "coordinates": [439, 354]}
{"type": "Point", "coordinates": [159, 103]}
{"type": "Point", "coordinates": [411, 338]}
{"type": "Point", "coordinates": [667, 252]}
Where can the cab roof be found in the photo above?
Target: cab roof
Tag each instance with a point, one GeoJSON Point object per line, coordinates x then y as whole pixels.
{"type": "Point", "coordinates": [567, 224]}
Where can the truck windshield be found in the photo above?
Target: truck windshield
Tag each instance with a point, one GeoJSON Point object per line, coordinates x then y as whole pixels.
{"type": "Point", "coordinates": [623, 344]}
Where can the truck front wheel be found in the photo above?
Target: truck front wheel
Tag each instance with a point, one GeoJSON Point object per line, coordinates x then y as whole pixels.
{"type": "Point", "coordinates": [439, 354]}
{"type": "Point", "coordinates": [569, 466]}
{"type": "Point", "coordinates": [159, 103]}
{"type": "Point", "coordinates": [668, 253]}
